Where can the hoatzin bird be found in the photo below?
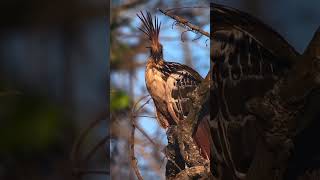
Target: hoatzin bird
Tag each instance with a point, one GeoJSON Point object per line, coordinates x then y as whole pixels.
{"type": "Point", "coordinates": [169, 83]}
{"type": "Point", "coordinates": [249, 57]}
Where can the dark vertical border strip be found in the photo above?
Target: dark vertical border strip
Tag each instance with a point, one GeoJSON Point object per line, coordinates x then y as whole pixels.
{"type": "Point", "coordinates": [108, 11]}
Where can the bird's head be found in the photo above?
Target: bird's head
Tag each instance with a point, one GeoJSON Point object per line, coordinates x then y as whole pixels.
{"type": "Point", "coordinates": [152, 29]}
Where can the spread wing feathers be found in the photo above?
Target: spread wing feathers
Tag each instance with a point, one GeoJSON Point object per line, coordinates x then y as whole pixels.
{"type": "Point", "coordinates": [226, 18]}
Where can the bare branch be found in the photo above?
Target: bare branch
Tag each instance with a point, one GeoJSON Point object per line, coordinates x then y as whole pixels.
{"type": "Point", "coordinates": [196, 38]}
{"type": "Point", "coordinates": [152, 117]}
{"type": "Point", "coordinates": [138, 127]}
{"type": "Point", "coordinates": [134, 162]}
{"type": "Point", "coordinates": [191, 173]}
{"type": "Point", "coordinates": [96, 147]}
{"type": "Point", "coordinates": [187, 7]}
{"type": "Point", "coordinates": [181, 36]}
{"type": "Point", "coordinates": [75, 153]}
{"type": "Point", "coordinates": [185, 23]}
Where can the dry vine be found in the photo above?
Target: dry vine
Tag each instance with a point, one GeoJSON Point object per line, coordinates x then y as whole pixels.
{"type": "Point", "coordinates": [75, 154]}
{"type": "Point", "coordinates": [134, 112]}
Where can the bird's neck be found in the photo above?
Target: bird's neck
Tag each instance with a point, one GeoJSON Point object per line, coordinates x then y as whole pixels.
{"type": "Point", "coordinates": [156, 61]}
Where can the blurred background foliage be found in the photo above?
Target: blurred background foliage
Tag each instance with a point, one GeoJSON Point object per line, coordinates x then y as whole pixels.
{"type": "Point", "coordinates": [119, 100]}
{"type": "Point", "coordinates": [53, 84]}
{"type": "Point", "coordinates": [34, 124]}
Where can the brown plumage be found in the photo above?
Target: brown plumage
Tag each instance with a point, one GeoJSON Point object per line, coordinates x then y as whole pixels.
{"type": "Point", "coordinates": [169, 83]}
{"type": "Point", "coordinates": [249, 57]}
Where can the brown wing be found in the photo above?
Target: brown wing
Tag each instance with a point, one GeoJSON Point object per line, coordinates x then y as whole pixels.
{"type": "Point", "coordinates": [163, 116]}
{"type": "Point", "coordinates": [249, 57]}
{"type": "Point", "coordinates": [161, 119]}
{"type": "Point", "coordinates": [227, 18]}
{"type": "Point", "coordinates": [181, 81]}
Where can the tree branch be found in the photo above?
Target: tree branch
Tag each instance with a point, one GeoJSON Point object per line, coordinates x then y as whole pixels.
{"type": "Point", "coordinates": [185, 23]}
{"type": "Point", "coordinates": [133, 114]}
{"type": "Point", "coordinates": [193, 173]}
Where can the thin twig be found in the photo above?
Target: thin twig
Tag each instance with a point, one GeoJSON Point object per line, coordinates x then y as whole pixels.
{"type": "Point", "coordinates": [173, 162]}
{"type": "Point", "coordinates": [147, 136]}
{"type": "Point", "coordinates": [139, 100]}
{"type": "Point", "coordinates": [152, 117]}
{"type": "Point", "coordinates": [95, 148]}
{"type": "Point", "coordinates": [206, 42]}
{"type": "Point", "coordinates": [181, 36]}
{"type": "Point", "coordinates": [138, 110]}
{"type": "Point", "coordinates": [76, 146]}
{"type": "Point", "coordinates": [185, 23]}
{"type": "Point", "coordinates": [134, 162]}
{"type": "Point", "coordinates": [196, 38]}
{"type": "Point", "coordinates": [187, 7]}
{"type": "Point", "coordinates": [141, 130]}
